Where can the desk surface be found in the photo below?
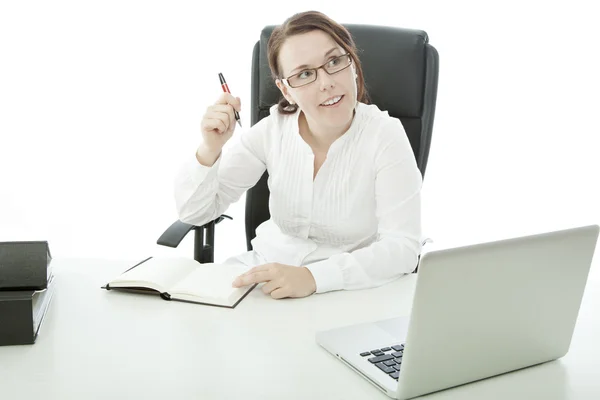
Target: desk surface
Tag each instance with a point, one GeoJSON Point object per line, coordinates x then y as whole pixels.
{"type": "Point", "coordinates": [96, 344]}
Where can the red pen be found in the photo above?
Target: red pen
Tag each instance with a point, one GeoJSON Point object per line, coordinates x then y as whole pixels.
{"type": "Point", "coordinates": [226, 90]}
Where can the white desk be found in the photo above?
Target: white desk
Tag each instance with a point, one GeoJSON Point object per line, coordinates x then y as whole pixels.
{"type": "Point", "coordinates": [96, 344]}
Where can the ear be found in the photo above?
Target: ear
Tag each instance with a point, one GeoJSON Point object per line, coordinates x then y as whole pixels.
{"type": "Point", "coordinates": [284, 91]}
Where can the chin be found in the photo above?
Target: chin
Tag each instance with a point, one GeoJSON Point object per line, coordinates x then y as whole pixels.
{"type": "Point", "coordinates": [340, 116]}
{"type": "Point", "coordinates": [337, 116]}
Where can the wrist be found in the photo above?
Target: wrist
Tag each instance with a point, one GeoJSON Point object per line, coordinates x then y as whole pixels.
{"type": "Point", "coordinates": [312, 284]}
{"type": "Point", "coordinates": [207, 156]}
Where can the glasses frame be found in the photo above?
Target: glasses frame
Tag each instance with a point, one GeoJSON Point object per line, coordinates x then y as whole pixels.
{"type": "Point", "coordinates": [316, 71]}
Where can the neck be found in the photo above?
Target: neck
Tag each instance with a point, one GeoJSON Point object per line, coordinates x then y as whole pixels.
{"type": "Point", "coordinates": [320, 137]}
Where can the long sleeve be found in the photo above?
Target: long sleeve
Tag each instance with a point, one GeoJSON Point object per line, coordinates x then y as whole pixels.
{"type": "Point", "coordinates": [398, 211]}
{"type": "Point", "coordinates": [203, 193]}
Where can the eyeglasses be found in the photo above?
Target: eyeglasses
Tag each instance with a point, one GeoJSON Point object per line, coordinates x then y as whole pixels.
{"type": "Point", "coordinates": [306, 76]}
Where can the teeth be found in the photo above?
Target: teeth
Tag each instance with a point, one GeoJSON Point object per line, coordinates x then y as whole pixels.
{"type": "Point", "coordinates": [332, 101]}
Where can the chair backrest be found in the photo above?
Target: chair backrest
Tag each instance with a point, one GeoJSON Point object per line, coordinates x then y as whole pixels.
{"type": "Point", "coordinates": [401, 75]}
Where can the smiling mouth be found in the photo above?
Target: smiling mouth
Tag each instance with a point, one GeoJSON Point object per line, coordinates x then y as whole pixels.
{"type": "Point", "coordinates": [332, 102]}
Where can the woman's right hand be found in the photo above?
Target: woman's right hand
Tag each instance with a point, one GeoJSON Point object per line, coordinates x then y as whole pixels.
{"type": "Point", "coordinates": [218, 122]}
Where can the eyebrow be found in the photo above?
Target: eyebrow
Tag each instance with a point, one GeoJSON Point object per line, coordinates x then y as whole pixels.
{"type": "Point", "coordinates": [304, 65]}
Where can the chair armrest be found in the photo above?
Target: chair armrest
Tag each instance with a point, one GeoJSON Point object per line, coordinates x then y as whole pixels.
{"type": "Point", "coordinates": [177, 231]}
{"type": "Point", "coordinates": [423, 243]}
{"type": "Point", "coordinates": [204, 239]}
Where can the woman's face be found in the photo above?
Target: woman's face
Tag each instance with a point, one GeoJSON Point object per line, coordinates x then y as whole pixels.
{"type": "Point", "coordinates": [311, 50]}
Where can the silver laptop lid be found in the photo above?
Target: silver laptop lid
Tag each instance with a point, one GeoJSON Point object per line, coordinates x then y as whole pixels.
{"type": "Point", "coordinates": [490, 308]}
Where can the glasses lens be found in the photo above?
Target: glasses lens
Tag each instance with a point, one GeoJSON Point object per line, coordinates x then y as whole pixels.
{"type": "Point", "coordinates": [303, 78]}
{"type": "Point", "coordinates": [310, 75]}
{"type": "Point", "coordinates": [338, 64]}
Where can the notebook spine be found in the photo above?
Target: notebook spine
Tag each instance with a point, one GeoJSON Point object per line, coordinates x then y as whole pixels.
{"type": "Point", "coordinates": [165, 296]}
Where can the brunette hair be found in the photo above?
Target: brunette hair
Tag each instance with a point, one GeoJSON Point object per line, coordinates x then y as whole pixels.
{"type": "Point", "coordinates": [306, 22]}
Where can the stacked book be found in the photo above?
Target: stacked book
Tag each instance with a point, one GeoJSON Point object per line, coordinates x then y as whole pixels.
{"type": "Point", "coordinates": [26, 290]}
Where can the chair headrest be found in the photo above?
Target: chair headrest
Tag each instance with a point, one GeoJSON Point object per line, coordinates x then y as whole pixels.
{"type": "Point", "coordinates": [393, 61]}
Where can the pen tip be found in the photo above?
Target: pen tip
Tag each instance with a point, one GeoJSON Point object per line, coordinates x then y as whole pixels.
{"type": "Point", "coordinates": [240, 123]}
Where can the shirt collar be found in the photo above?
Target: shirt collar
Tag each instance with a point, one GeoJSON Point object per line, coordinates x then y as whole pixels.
{"type": "Point", "coordinates": [339, 142]}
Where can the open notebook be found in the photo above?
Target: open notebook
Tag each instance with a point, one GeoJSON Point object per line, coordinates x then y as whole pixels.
{"type": "Point", "coordinates": [183, 279]}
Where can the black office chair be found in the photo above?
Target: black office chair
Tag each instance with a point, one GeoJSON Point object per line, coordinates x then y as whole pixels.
{"type": "Point", "coordinates": [401, 74]}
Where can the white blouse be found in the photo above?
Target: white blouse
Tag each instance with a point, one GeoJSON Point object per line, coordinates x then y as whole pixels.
{"type": "Point", "coordinates": [357, 225]}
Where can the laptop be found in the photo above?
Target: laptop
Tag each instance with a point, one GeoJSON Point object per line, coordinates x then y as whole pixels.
{"type": "Point", "coordinates": [478, 311]}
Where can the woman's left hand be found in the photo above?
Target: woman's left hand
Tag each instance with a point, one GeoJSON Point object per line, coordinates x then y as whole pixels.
{"type": "Point", "coordinates": [281, 280]}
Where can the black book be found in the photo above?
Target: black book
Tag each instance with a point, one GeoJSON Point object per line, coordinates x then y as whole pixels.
{"type": "Point", "coordinates": [183, 279]}
{"type": "Point", "coordinates": [22, 313]}
{"type": "Point", "coordinates": [24, 265]}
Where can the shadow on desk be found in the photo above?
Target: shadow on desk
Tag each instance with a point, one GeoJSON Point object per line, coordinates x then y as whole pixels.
{"type": "Point", "coordinates": [548, 381]}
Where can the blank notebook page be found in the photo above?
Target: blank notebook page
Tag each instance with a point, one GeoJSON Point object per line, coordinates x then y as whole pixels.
{"type": "Point", "coordinates": [165, 272]}
{"type": "Point", "coordinates": [211, 280]}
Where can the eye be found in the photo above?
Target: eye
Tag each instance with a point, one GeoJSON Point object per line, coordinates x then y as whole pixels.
{"type": "Point", "coordinates": [305, 74]}
{"type": "Point", "coordinates": [333, 62]}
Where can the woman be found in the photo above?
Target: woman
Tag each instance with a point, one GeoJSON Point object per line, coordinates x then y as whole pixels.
{"type": "Point", "coordinates": [345, 188]}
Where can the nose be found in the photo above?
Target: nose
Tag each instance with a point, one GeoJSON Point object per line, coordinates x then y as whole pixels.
{"type": "Point", "coordinates": [325, 80]}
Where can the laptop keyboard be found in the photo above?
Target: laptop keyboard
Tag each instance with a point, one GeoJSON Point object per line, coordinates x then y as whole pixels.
{"type": "Point", "coordinates": [387, 359]}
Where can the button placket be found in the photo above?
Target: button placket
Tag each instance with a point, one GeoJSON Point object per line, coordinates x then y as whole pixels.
{"type": "Point", "coordinates": [309, 192]}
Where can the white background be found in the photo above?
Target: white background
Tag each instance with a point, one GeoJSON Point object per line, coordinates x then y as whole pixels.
{"type": "Point", "coordinates": [101, 101]}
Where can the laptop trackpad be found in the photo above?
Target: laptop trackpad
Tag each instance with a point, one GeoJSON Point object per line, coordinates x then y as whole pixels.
{"type": "Point", "coordinates": [396, 327]}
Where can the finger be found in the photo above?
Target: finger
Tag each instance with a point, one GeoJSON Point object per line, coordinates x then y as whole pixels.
{"type": "Point", "coordinates": [270, 286]}
{"type": "Point", "coordinates": [221, 116]}
{"type": "Point", "coordinates": [231, 118]}
{"type": "Point", "coordinates": [226, 98]}
{"type": "Point", "coordinates": [214, 124]}
{"type": "Point", "coordinates": [262, 267]}
{"type": "Point", "coordinates": [225, 110]}
{"type": "Point", "coordinates": [251, 278]}
{"type": "Point", "coordinates": [279, 293]}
